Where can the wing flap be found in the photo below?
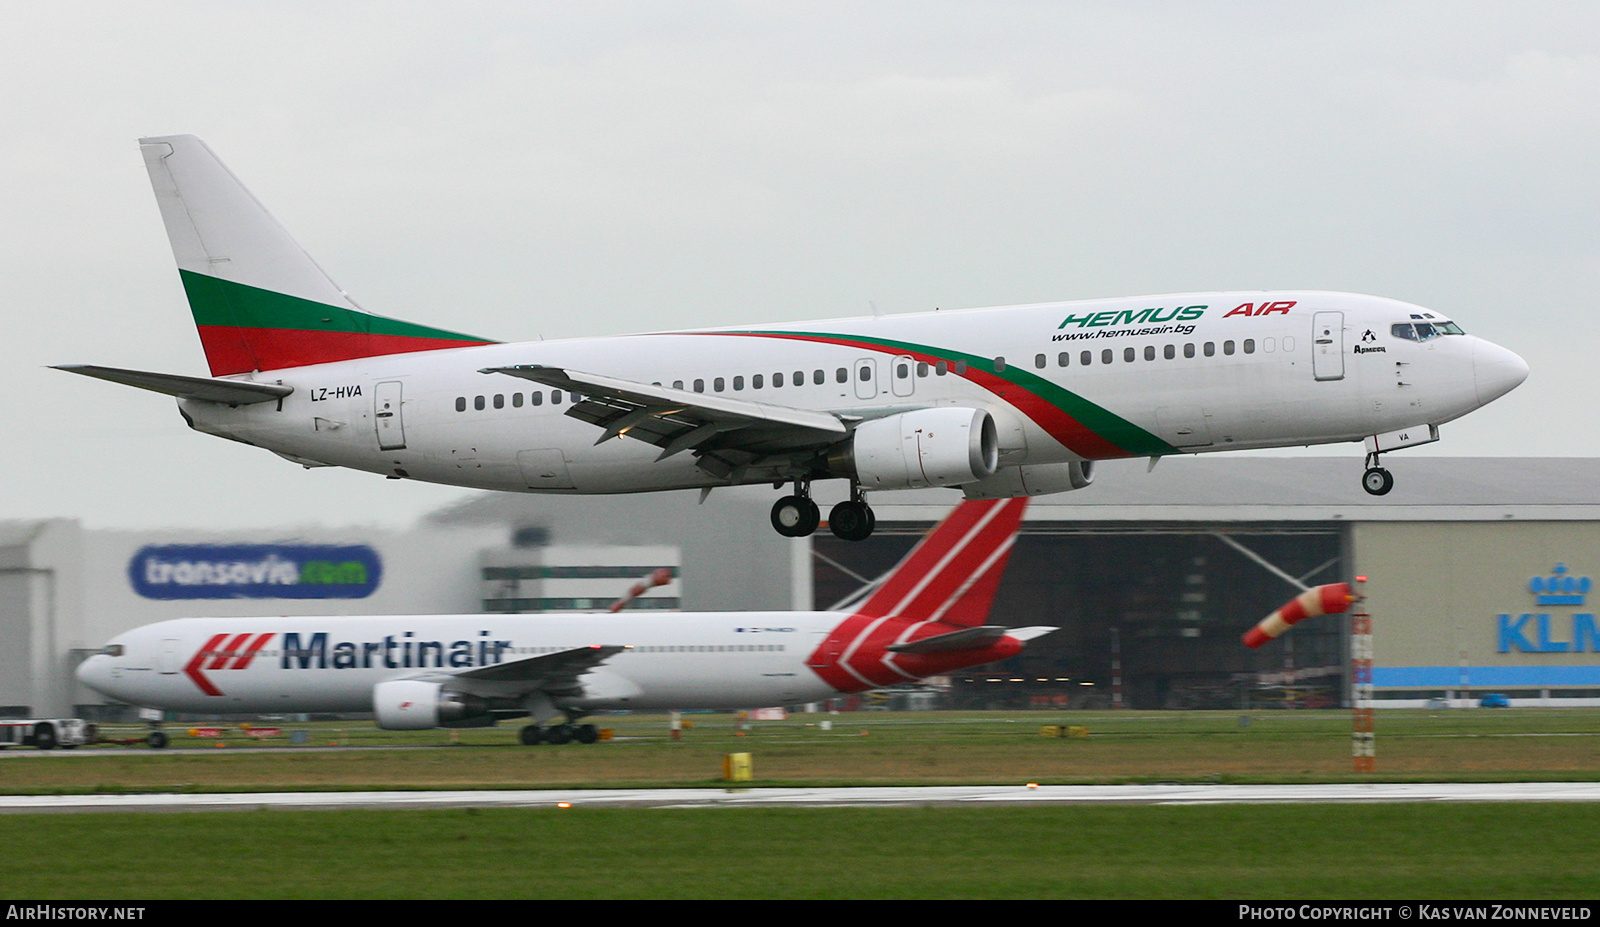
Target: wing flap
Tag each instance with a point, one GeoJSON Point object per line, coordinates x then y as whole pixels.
{"type": "Point", "coordinates": [677, 420]}
{"type": "Point", "coordinates": [552, 673]}
{"type": "Point", "coordinates": [209, 389]}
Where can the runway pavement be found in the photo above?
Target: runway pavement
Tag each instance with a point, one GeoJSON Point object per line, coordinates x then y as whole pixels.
{"type": "Point", "coordinates": [801, 798]}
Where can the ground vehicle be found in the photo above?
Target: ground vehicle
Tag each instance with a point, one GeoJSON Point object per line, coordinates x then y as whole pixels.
{"type": "Point", "coordinates": [46, 733]}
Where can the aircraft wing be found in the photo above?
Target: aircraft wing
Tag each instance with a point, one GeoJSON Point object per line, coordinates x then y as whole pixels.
{"type": "Point", "coordinates": [554, 673]}
{"type": "Point", "coordinates": [726, 434]}
{"type": "Point", "coordinates": [210, 389]}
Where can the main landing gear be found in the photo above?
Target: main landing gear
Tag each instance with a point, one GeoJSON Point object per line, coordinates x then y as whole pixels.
{"type": "Point", "coordinates": [533, 734]}
{"type": "Point", "coordinates": [797, 516]}
{"type": "Point", "coordinates": [1376, 481]}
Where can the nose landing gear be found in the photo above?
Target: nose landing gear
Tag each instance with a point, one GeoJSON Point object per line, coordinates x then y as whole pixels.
{"type": "Point", "coordinates": [1376, 481]}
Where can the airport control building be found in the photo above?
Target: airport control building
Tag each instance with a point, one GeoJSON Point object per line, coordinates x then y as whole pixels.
{"type": "Point", "coordinates": [1478, 575]}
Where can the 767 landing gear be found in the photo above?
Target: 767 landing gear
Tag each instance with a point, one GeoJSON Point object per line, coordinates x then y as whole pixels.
{"type": "Point", "coordinates": [1376, 480]}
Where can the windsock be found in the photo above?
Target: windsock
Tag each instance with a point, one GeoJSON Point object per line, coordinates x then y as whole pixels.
{"type": "Point", "coordinates": [1331, 599]}
{"type": "Point", "coordinates": [659, 578]}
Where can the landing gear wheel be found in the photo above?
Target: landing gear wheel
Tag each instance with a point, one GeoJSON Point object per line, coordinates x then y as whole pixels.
{"type": "Point", "coordinates": [1377, 481]}
{"type": "Point", "coordinates": [586, 733]}
{"type": "Point", "coordinates": [531, 736]}
{"type": "Point", "coordinates": [558, 733]}
{"type": "Point", "coordinates": [852, 521]}
{"type": "Point", "coordinates": [157, 740]}
{"type": "Point", "coordinates": [44, 737]}
{"type": "Point", "coordinates": [795, 516]}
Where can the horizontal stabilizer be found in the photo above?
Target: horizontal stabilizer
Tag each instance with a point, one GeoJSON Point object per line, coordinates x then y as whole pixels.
{"type": "Point", "coordinates": [1028, 634]}
{"type": "Point", "coordinates": [964, 639]}
{"type": "Point", "coordinates": [968, 639]}
{"type": "Point", "coordinates": [209, 389]}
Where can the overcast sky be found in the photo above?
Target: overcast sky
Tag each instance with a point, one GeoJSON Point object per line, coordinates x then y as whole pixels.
{"type": "Point", "coordinates": [529, 169]}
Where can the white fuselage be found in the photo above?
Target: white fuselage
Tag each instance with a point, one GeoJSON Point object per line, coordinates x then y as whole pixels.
{"type": "Point", "coordinates": [1246, 370]}
{"type": "Point", "coordinates": [726, 660]}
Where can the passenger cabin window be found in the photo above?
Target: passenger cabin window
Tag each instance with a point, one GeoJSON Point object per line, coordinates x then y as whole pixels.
{"type": "Point", "coordinates": [1149, 352]}
{"type": "Point", "coordinates": [1249, 346]}
{"type": "Point", "coordinates": [1128, 354]}
{"type": "Point", "coordinates": [718, 384]}
{"type": "Point", "coordinates": [1105, 356]}
{"type": "Point", "coordinates": [699, 386]}
{"type": "Point", "coordinates": [1169, 351]}
{"type": "Point", "coordinates": [1039, 360]}
{"type": "Point", "coordinates": [536, 398]}
{"type": "Point", "coordinates": [841, 375]}
{"type": "Point", "coordinates": [1086, 358]}
{"type": "Point", "coordinates": [999, 365]}
{"type": "Point", "coordinates": [1064, 359]}
{"type": "Point", "coordinates": [499, 400]}
{"type": "Point", "coordinates": [461, 403]}
{"type": "Point", "coordinates": [477, 403]}
{"type": "Point", "coordinates": [516, 400]}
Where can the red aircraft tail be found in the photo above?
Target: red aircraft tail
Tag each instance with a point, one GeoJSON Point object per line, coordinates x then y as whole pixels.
{"type": "Point", "coordinates": [928, 616]}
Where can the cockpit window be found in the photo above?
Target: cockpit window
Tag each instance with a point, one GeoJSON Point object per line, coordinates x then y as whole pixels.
{"type": "Point", "coordinates": [1425, 331]}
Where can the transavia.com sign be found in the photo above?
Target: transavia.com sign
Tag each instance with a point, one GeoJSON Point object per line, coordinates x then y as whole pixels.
{"type": "Point", "coordinates": [255, 571]}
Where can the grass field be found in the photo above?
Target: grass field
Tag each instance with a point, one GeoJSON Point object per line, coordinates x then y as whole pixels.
{"type": "Point", "coordinates": [914, 748]}
{"type": "Point", "coordinates": [1388, 851]}
{"type": "Point", "coordinates": [1231, 852]}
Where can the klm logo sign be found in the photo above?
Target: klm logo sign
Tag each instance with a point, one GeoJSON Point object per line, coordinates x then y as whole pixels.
{"type": "Point", "coordinates": [1544, 633]}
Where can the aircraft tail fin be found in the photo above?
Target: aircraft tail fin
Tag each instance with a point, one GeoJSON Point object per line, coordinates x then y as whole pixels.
{"type": "Point", "coordinates": [259, 300]}
{"type": "Point", "coordinates": [952, 574]}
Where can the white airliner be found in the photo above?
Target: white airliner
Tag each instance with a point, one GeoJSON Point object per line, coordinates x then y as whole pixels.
{"type": "Point", "coordinates": [416, 672]}
{"type": "Point", "coordinates": [1004, 402]}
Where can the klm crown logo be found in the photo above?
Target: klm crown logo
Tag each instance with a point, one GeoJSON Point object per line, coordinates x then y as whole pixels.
{"type": "Point", "coordinates": [1559, 589]}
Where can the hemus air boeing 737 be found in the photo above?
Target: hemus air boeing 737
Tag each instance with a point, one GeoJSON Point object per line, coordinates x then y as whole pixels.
{"type": "Point", "coordinates": [1006, 402]}
{"type": "Point", "coordinates": [414, 672]}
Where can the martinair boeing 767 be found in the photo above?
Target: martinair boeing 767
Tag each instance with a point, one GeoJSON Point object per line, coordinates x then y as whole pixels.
{"type": "Point", "coordinates": [1004, 402]}
{"type": "Point", "coordinates": [422, 671]}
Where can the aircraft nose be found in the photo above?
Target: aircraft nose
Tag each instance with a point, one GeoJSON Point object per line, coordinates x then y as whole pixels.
{"type": "Point", "coordinates": [1496, 371]}
{"type": "Point", "coordinates": [94, 671]}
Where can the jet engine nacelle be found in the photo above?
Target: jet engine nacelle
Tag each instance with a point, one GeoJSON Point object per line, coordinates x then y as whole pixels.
{"type": "Point", "coordinates": [1032, 480]}
{"type": "Point", "coordinates": [944, 446]}
{"type": "Point", "coordinates": [413, 705]}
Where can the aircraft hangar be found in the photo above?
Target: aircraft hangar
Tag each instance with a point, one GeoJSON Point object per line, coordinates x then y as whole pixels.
{"type": "Point", "coordinates": [1478, 575]}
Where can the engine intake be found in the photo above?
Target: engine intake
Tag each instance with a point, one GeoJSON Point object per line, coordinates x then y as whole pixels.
{"type": "Point", "coordinates": [945, 446]}
{"type": "Point", "coordinates": [413, 705]}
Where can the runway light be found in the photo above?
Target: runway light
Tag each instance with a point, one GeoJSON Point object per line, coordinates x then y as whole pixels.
{"type": "Point", "coordinates": [563, 804]}
{"type": "Point", "coordinates": [1033, 785]}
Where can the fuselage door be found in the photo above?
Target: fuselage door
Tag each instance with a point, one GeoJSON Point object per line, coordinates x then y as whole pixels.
{"type": "Point", "coordinates": [386, 413]}
{"type": "Point", "coordinates": [1327, 345]}
{"type": "Point", "coordinates": [903, 375]}
{"type": "Point", "coordinates": [866, 375]}
{"type": "Point", "coordinates": [170, 660]}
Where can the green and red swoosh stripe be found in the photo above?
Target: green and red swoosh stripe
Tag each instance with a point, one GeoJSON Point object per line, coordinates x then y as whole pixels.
{"type": "Point", "coordinates": [1086, 429]}
{"type": "Point", "coordinates": [245, 328]}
